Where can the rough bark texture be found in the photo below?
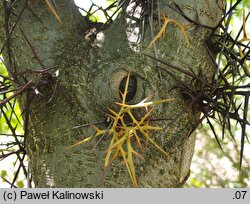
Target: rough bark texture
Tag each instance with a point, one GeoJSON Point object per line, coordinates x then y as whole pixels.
{"type": "Point", "coordinates": [89, 81]}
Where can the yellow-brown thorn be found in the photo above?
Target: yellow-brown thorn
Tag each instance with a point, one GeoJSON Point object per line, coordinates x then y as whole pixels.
{"type": "Point", "coordinates": [122, 134]}
{"type": "Point", "coordinates": [51, 8]}
{"type": "Point", "coordinates": [163, 29]}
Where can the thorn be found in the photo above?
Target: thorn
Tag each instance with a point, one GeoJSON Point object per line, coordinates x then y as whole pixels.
{"type": "Point", "coordinates": [53, 11]}
{"type": "Point", "coordinates": [164, 28]}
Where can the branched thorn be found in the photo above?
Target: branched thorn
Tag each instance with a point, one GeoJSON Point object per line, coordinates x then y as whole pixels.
{"type": "Point", "coordinates": [123, 131]}
{"type": "Point", "coordinates": [162, 31]}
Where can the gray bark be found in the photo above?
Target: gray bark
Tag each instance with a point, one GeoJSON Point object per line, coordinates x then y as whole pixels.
{"type": "Point", "coordinates": [89, 83]}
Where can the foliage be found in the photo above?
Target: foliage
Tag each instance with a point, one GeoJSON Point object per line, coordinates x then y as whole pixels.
{"type": "Point", "coordinates": [211, 166]}
{"type": "Point", "coordinates": [99, 11]}
{"type": "Point", "coordinates": [11, 132]}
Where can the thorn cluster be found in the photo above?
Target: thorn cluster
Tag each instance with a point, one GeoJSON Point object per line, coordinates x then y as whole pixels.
{"type": "Point", "coordinates": [122, 133]}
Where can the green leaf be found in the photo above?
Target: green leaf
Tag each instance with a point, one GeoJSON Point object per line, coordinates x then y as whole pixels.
{"type": "Point", "coordinates": [3, 173]}
{"type": "Point", "coordinates": [20, 184]}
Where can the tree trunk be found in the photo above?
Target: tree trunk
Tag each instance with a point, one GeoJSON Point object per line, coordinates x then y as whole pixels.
{"type": "Point", "coordinates": [89, 79]}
